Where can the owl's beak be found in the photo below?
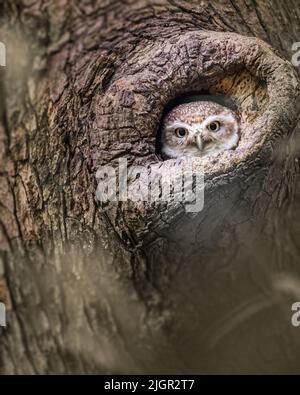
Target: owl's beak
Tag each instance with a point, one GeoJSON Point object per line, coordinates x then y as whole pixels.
{"type": "Point", "coordinates": [199, 142]}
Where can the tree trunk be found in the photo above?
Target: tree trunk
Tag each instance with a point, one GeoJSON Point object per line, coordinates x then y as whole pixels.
{"type": "Point", "coordinates": [130, 287]}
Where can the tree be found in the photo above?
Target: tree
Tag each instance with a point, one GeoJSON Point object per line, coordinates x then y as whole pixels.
{"type": "Point", "coordinates": [125, 287]}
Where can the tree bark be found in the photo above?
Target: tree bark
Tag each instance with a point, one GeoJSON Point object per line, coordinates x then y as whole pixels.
{"type": "Point", "coordinates": [125, 287]}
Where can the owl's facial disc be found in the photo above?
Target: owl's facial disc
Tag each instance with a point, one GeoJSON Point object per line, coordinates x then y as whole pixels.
{"type": "Point", "coordinates": [199, 129]}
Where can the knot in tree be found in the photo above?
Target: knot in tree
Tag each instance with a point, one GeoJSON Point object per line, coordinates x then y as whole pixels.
{"type": "Point", "coordinates": [149, 188]}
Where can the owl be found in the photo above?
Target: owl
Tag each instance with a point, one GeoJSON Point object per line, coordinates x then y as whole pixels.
{"type": "Point", "coordinates": [199, 128]}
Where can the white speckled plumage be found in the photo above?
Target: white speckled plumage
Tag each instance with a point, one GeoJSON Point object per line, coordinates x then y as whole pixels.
{"type": "Point", "coordinates": [187, 130]}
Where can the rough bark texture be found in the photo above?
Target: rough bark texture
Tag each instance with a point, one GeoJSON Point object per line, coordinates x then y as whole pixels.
{"type": "Point", "coordinates": [144, 288]}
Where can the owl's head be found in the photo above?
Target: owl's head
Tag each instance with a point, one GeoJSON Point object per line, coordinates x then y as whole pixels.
{"type": "Point", "coordinates": [198, 129]}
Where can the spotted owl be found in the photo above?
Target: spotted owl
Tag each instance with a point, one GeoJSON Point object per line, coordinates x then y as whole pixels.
{"type": "Point", "coordinates": [199, 129]}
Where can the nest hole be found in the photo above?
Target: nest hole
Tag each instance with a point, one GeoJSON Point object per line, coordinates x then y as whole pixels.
{"type": "Point", "coordinates": [242, 93]}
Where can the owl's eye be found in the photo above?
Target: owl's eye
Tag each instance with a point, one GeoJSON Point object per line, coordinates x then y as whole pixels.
{"type": "Point", "coordinates": [181, 132]}
{"type": "Point", "coordinates": [214, 126]}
